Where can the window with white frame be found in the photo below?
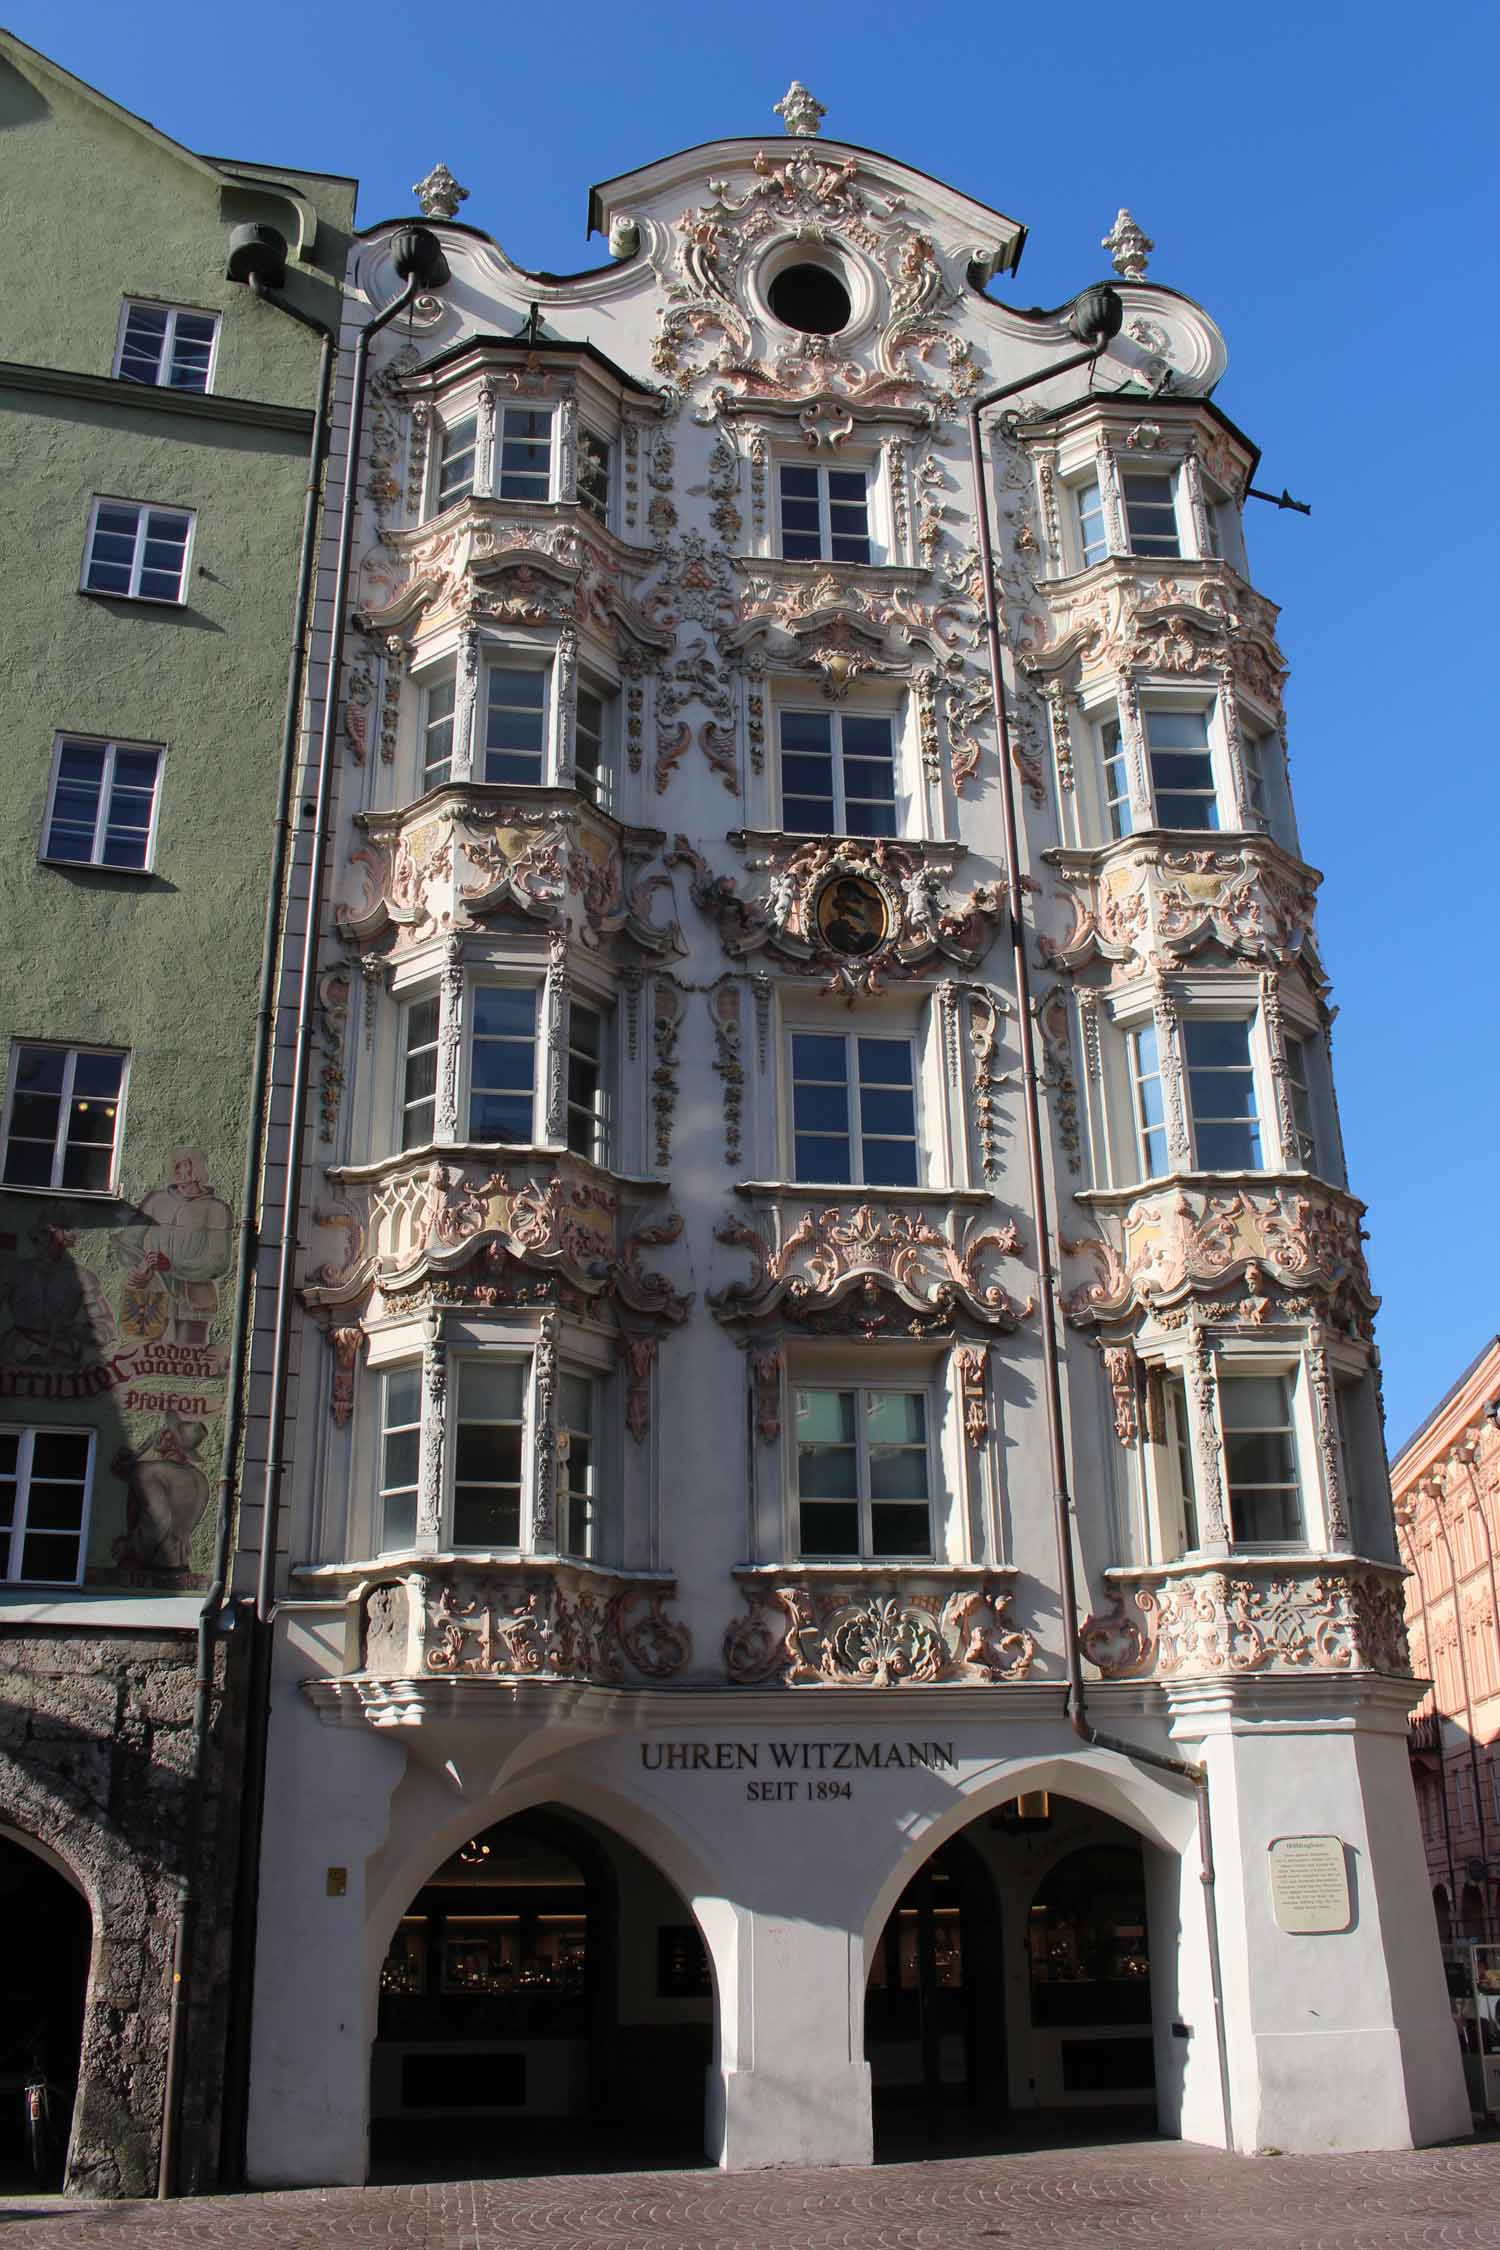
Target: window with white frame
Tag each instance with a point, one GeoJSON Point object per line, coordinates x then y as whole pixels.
{"type": "Point", "coordinates": [594, 735]}
{"type": "Point", "coordinates": [1180, 755]}
{"type": "Point", "coordinates": [1260, 1459]}
{"type": "Point", "coordinates": [63, 1112]}
{"type": "Point", "coordinates": [419, 1059]}
{"type": "Point", "coordinates": [1300, 1055]}
{"type": "Point", "coordinates": [45, 1476]}
{"type": "Point", "coordinates": [1146, 1099]}
{"type": "Point", "coordinates": [854, 1109]}
{"type": "Point", "coordinates": [1114, 763]}
{"type": "Point", "coordinates": [838, 772]}
{"type": "Point", "coordinates": [457, 455]}
{"type": "Point", "coordinates": [825, 513]}
{"type": "Point", "coordinates": [1150, 497]}
{"type": "Point", "coordinates": [577, 1461]}
{"type": "Point", "coordinates": [439, 702]}
{"type": "Point", "coordinates": [101, 807]}
{"type": "Point", "coordinates": [1254, 752]}
{"type": "Point", "coordinates": [1221, 1093]}
{"type": "Point", "coordinates": [588, 1083]}
{"type": "Point", "coordinates": [502, 1063]}
{"type": "Point", "coordinates": [167, 346]}
{"type": "Point", "coordinates": [515, 724]}
{"type": "Point", "coordinates": [595, 462]}
{"type": "Point", "coordinates": [1348, 1401]}
{"type": "Point", "coordinates": [488, 1437]}
{"type": "Point", "coordinates": [524, 453]}
{"type": "Point", "coordinates": [1093, 532]}
{"type": "Point", "coordinates": [864, 1477]}
{"type": "Point", "coordinates": [1179, 1440]}
{"type": "Point", "coordinates": [137, 551]}
{"type": "Point", "coordinates": [400, 1455]}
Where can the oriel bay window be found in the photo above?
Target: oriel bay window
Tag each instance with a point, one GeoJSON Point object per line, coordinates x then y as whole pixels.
{"type": "Point", "coordinates": [523, 442]}
{"type": "Point", "coordinates": [1260, 1459]}
{"type": "Point", "coordinates": [502, 1063]}
{"type": "Point", "coordinates": [588, 1083]}
{"type": "Point", "coordinates": [577, 1466]}
{"type": "Point", "coordinates": [515, 724]}
{"type": "Point", "coordinates": [825, 513]}
{"type": "Point", "coordinates": [593, 745]}
{"type": "Point", "coordinates": [1151, 512]}
{"type": "Point", "coordinates": [487, 1440]}
{"type": "Point", "coordinates": [456, 459]}
{"type": "Point", "coordinates": [838, 773]}
{"type": "Point", "coordinates": [419, 1061]}
{"type": "Point", "coordinates": [1180, 756]}
{"type": "Point", "coordinates": [438, 705]}
{"type": "Point", "coordinates": [400, 1455]}
{"type": "Point", "coordinates": [1221, 1094]}
{"type": "Point", "coordinates": [854, 1109]}
{"type": "Point", "coordinates": [863, 1474]}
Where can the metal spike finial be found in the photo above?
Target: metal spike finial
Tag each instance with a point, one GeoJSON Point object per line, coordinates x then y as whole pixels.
{"type": "Point", "coordinates": [1129, 247]}
{"type": "Point", "coordinates": [797, 110]}
{"type": "Point", "coordinates": [439, 194]}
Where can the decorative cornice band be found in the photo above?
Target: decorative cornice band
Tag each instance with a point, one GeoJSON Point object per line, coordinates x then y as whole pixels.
{"type": "Point", "coordinates": [108, 390]}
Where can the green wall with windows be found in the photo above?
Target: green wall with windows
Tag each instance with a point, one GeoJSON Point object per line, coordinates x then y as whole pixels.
{"type": "Point", "coordinates": [114, 1310]}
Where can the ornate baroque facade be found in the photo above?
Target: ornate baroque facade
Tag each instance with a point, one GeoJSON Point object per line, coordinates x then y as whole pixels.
{"type": "Point", "coordinates": [668, 1358]}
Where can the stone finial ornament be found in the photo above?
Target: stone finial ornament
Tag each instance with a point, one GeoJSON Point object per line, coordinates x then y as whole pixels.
{"type": "Point", "coordinates": [799, 112]}
{"type": "Point", "coordinates": [1128, 246]}
{"type": "Point", "coordinates": [439, 194]}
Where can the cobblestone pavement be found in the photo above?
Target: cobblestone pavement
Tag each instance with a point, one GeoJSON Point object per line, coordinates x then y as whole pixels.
{"type": "Point", "coordinates": [1158, 2194]}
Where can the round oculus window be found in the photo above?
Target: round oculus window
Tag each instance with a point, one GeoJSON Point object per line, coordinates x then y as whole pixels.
{"type": "Point", "coordinates": [811, 299]}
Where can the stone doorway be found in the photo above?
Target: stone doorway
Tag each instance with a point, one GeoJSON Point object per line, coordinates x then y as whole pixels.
{"type": "Point", "coordinates": [46, 1988]}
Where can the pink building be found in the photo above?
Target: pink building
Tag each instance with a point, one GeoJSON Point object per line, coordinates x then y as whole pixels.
{"type": "Point", "coordinates": [1446, 1486]}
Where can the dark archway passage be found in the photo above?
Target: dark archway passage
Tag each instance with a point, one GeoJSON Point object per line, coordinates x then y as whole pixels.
{"type": "Point", "coordinates": [546, 2005]}
{"type": "Point", "coordinates": [1009, 1996]}
{"type": "Point", "coordinates": [41, 2013]}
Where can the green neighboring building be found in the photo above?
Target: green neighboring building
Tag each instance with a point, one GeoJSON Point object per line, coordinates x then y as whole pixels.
{"type": "Point", "coordinates": [157, 423]}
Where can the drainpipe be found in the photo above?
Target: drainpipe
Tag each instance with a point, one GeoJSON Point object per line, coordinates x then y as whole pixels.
{"type": "Point", "coordinates": [419, 261]}
{"type": "Point", "coordinates": [244, 1267]}
{"type": "Point", "coordinates": [1093, 318]}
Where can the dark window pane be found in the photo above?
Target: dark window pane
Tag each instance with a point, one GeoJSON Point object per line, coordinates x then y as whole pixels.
{"type": "Point", "coordinates": [890, 1164]}
{"type": "Point", "coordinates": [60, 1453]}
{"type": "Point", "coordinates": [901, 1530]}
{"type": "Point", "coordinates": [829, 1528]}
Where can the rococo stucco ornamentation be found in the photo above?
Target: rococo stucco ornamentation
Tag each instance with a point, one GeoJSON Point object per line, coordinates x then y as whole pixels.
{"type": "Point", "coordinates": [834, 1635]}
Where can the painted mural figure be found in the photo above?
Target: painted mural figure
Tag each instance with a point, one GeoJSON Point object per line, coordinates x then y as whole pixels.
{"type": "Point", "coordinates": [181, 1253]}
{"type": "Point", "coordinates": [166, 1494]}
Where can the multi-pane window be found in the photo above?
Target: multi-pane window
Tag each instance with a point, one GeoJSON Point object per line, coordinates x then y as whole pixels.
{"type": "Point", "coordinates": [825, 513]}
{"type": "Point", "coordinates": [838, 773]}
{"type": "Point", "coordinates": [525, 439]}
{"type": "Point", "coordinates": [863, 1486]}
{"type": "Point", "coordinates": [578, 1465]}
{"type": "Point", "coordinates": [1182, 769]}
{"type": "Point", "coordinates": [1346, 1398]}
{"type": "Point", "coordinates": [515, 724]}
{"type": "Point", "coordinates": [593, 745]}
{"type": "Point", "coordinates": [419, 1074]}
{"type": "Point", "coordinates": [44, 1504]}
{"type": "Point", "coordinates": [1179, 1439]}
{"type": "Point", "coordinates": [1146, 1099]}
{"type": "Point", "coordinates": [62, 1118]}
{"type": "Point", "coordinates": [167, 346]}
{"type": "Point", "coordinates": [1260, 1457]}
{"type": "Point", "coordinates": [1093, 536]}
{"type": "Point", "coordinates": [1116, 765]}
{"type": "Point", "coordinates": [102, 809]}
{"type": "Point", "coordinates": [438, 706]}
{"type": "Point", "coordinates": [1255, 748]}
{"type": "Point", "coordinates": [137, 551]}
{"type": "Point", "coordinates": [487, 1453]}
{"type": "Point", "coordinates": [588, 1112]}
{"type": "Point", "coordinates": [460, 447]}
{"type": "Point", "coordinates": [854, 1109]}
{"type": "Point", "coordinates": [400, 1455]}
{"type": "Point", "coordinates": [593, 474]}
{"type": "Point", "coordinates": [1299, 1082]}
{"type": "Point", "coordinates": [502, 1062]}
{"type": "Point", "coordinates": [1151, 512]}
{"type": "Point", "coordinates": [1221, 1093]}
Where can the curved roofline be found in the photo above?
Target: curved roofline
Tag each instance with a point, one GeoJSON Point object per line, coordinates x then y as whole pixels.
{"type": "Point", "coordinates": [478, 234]}
{"type": "Point", "coordinates": [759, 141]}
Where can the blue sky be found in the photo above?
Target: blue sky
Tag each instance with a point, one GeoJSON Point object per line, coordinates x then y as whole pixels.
{"type": "Point", "coordinates": [1322, 177]}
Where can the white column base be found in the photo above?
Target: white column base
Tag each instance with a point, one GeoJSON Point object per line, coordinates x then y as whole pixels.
{"type": "Point", "coordinates": [758, 2118]}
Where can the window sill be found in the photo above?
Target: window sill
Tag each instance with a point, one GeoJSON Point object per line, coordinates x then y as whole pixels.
{"type": "Point", "coordinates": [491, 1152]}
{"type": "Point", "coordinates": [846, 1191]}
{"type": "Point", "coordinates": [70, 1195]}
{"type": "Point", "coordinates": [136, 601]}
{"type": "Point", "coordinates": [875, 1572]}
{"type": "Point", "coordinates": [93, 867]}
